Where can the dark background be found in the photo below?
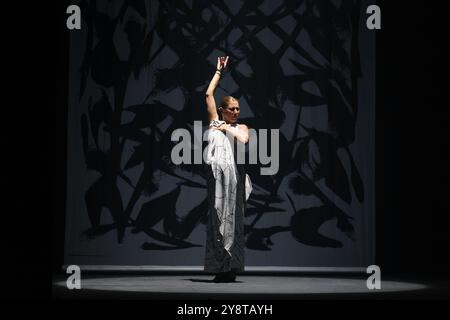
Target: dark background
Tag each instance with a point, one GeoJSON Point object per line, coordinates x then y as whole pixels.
{"type": "Point", "coordinates": [327, 35]}
{"type": "Point", "coordinates": [412, 130]}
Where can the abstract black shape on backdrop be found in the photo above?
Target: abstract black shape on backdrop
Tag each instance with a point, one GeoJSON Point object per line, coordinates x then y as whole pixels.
{"type": "Point", "coordinates": [319, 42]}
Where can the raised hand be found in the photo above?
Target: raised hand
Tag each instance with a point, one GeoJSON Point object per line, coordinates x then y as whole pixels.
{"type": "Point", "coordinates": [222, 63]}
{"type": "Point", "coordinates": [210, 101]}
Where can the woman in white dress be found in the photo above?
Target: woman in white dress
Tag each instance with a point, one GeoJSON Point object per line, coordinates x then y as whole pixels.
{"type": "Point", "coordinates": [228, 184]}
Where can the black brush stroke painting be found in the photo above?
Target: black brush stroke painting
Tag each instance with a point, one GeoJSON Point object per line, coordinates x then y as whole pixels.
{"type": "Point", "coordinates": [288, 60]}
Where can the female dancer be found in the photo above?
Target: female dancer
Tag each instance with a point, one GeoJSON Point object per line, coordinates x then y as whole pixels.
{"type": "Point", "coordinates": [228, 184]}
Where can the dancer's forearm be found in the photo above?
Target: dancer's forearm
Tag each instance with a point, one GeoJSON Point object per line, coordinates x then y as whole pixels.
{"type": "Point", "coordinates": [241, 135]}
{"type": "Point", "coordinates": [214, 83]}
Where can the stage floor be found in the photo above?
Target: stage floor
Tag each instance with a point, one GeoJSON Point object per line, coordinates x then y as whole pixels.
{"type": "Point", "coordinates": [194, 286]}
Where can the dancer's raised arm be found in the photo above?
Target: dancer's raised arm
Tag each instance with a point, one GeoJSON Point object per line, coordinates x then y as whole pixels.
{"type": "Point", "coordinates": [210, 101]}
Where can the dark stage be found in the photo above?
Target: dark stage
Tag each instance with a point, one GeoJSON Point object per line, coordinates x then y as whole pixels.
{"type": "Point", "coordinates": [247, 287]}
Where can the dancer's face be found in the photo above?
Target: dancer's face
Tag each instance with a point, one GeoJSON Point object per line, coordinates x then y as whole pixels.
{"type": "Point", "coordinates": [231, 113]}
